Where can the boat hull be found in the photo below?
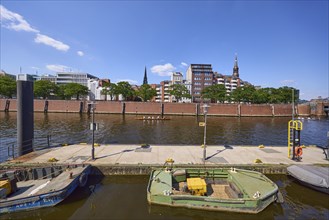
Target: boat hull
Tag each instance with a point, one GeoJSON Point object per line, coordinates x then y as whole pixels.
{"type": "Point", "coordinates": [240, 205]}
{"type": "Point", "coordinates": [42, 200]}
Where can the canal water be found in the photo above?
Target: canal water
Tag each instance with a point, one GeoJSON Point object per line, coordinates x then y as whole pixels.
{"type": "Point", "coordinates": [124, 197]}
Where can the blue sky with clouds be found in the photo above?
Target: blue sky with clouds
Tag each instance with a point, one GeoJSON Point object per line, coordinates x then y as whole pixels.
{"type": "Point", "coordinates": [279, 43]}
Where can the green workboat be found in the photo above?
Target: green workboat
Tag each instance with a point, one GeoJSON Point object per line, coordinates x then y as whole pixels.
{"type": "Point", "coordinates": [216, 189]}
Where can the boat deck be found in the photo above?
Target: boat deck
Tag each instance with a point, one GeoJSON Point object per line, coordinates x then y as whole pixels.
{"type": "Point", "coordinates": [216, 190]}
{"type": "Point", "coordinates": [41, 186]}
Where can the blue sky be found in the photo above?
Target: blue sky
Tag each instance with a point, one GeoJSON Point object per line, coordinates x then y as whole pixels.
{"type": "Point", "coordinates": [278, 43]}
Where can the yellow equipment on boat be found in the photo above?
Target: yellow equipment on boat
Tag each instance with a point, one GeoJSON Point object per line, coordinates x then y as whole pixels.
{"type": "Point", "coordinates": [197, 186]}
{"type": "Point", "coordinates": [5, 184]}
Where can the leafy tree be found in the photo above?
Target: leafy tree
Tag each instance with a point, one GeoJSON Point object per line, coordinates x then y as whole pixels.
{"type": "Point", "coordinates": [72, 89]}
{"type": "Point", "coordinates": [43, 88]}
{"type": "Point", "coordinates": [244, 94]}
{"type": "Point", "coordinates": [285, 93]}
{"type": "Point", "coordinates": [216, 92]}
{"type": "Point", "coordinates": [125, 89]}
{"type": "Point", "coordinates": [7, 86]}
{"type": "Point", "coordinates": [262, 95]}
{"type": "Point", "coordinates": [179, 91]}
{"type": "Point", "coordinates": [109, 89]}
{"type": "Point", "coordinates": [146, 92]}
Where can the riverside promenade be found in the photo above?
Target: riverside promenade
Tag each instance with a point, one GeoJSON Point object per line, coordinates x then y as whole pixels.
{"type": "Point", "coordinates": [133, 159]}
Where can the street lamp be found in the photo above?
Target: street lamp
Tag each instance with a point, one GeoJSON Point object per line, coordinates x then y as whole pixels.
{"type": "Point", "coordinates": [205, 111]}
{"type": "Point", "coordinates": [93, 128]}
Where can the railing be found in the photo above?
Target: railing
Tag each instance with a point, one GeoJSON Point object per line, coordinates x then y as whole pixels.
{"type": "Point", "coordinates": [9, 148]}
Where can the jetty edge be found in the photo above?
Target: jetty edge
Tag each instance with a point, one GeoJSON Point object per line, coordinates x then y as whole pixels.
{"type": "Point", "coordinates": [132, 159]}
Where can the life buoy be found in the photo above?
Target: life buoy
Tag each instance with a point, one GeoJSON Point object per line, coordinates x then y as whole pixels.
{"type": "Point", "coordinates": [83, 179]}
{"type": "Point", "coordinates": [299, 151]}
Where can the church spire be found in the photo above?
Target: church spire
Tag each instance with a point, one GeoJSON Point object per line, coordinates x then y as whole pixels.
{"type": "Point", "coordinates": [236, 68]}
{"type": "Point", "coordinates": [145, 77]}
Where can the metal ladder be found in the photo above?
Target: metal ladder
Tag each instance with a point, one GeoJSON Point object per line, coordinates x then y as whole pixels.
{"type": "Point", "coordinates": [294, 128]}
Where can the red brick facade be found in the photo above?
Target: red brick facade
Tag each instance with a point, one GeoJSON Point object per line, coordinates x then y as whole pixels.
{"type": "Point", "coordinates": [172, 108]}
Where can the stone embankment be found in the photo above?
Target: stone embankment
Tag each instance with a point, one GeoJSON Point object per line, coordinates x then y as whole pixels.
{"type": "Point", "coordinates": [131, 159]}
{"type": "Point", "coordinates": [153, 108]}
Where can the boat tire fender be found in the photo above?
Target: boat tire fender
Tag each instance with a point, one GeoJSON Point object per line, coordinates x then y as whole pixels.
{"type": "Point", "coordinates": [83, 179]}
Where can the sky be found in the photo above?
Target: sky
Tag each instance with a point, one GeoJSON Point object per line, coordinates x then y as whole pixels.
{"type": "Point", "coordinates": [278, 43]}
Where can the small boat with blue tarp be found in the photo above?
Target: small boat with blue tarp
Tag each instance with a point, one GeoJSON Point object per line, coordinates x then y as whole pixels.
{"type": "Point", "coordinates": [214, 189]}
{"type": "Point", "coordinates": [27, 189]}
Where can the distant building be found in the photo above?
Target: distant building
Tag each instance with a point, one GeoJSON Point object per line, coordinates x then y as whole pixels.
{"type": "Point", "coordinates": [162, 90]}
{"type": "Point", "coordinates": [3, 73]}
{"type": "Point", "coordinates": [50, 78]}
{"type": "Point", "coordinates": [73, 77]}
{"type": "Point", "coordinates": [231, 82]}
{"type": "Point", "coordinates": [199, 76]}
{"type": "Point", "coordinates": [145, 77]}
{"type": "Point", "coordinates": [176, 78]}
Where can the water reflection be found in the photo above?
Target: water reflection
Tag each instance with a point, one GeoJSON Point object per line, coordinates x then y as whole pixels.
{"type": "Point", "coordinates": [125, 129]}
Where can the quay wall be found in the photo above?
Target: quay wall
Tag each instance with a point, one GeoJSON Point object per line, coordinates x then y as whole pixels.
{"type": "Point", "coordinates": [146, 169]}
{"type": "Point", "coordinates": [154, 108]}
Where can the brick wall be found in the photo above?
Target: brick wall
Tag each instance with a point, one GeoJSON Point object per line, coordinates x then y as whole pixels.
{"type": "Point", "coordinates": [282, 109]}
{"type": "Point", "coordinates": [108, 107]}
{"type": "Point", "coordinates": [171, 108]}
{"type": "Point", "coordinates": [180, 108]}
{"type": "Point", "coordinates": [256, 110]}
{"type": "Point", "coordinates": [304, 110]}
{"type": "Point", "coordinates": [222, 109]}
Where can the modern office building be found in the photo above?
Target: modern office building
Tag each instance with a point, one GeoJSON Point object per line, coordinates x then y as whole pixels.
{"type": "Point", "coordinates": [199, 76]}
{"type": "Point", "coordinates": [48, 77]}
{"type": "Point", "coordinates": [73, 77]}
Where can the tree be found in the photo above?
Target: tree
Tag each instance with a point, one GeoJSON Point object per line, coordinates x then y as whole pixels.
{"type": "Point", "coordinates": [109, 89]}
{"type": "Point", "coordinates": [179, 91]}
{"type": "Point", "coordinates": [43, 88]}
{"type": "Point", "coordinates": [215, 92]}
{"type": "Point", "coordinates": [124, 88]}
{"type": "Point", "coordinates": [72, 89]}
{"type": "Point", "coordinates": [7, 86]}
{"type": "Point", "coordinates": [244, 94]}
{"type": "Point", "coordinates": [262, 95]}
{"type": "Point", "coordinates": [146, 92]}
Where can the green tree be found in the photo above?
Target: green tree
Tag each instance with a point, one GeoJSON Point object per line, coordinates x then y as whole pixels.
{"type": "Point", "coordinates": [215, 92]}
{"type": "Point", "coordinates": [72, 89]}
{"type": "Point", "coordinates": [179, 91]}
{"type": "Point", "coordinates": [146, 92]}
{"type": "Point", "coordinates": [285, 94]}
{"type": "Point", "coordinates": [43, 88]}
{"type": "Point", "coordinates": [244, 94]}
{"type": "Point", "coordinates": [125, 89]}
{"type": "Point", "coordinates": [109, 89]}
{"type": "Point", "coordinates": [262, 95]}
{"type": "Point", "coordinates": [7, 86]}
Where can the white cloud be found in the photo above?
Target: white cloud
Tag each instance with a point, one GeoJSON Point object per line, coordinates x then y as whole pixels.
{"type": "Point", "coordinates": [14, 21]}
{"type": "Point", "coordinates": [80, 53]}
{"type": "Point", "coordinates": [127, 80]}
{"type": "Point", "coordinates": [163, 70]}
{"type": "Point", "coordinates": [57, 68]}
{"type": "Point", "coordinates": [183, 64]}
{"type": "Point", "coordinates": [43, 39]}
